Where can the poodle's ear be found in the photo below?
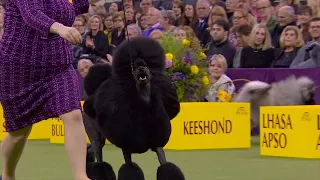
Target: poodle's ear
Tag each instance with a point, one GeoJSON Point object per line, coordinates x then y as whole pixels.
{"type": "Point", "coordinates": [260, 90]}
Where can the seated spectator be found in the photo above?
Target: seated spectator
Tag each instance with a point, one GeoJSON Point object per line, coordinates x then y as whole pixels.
{"type": "Point", "coordinates": [217, 13]}
{"type": "Point", "coordinates": [189, 15]}
{"type": "Point", "coordinates": [95, 44]}
{"type": "Point", "coordinates": [220, 43]}
{"type": "Point", "coordinates": [167, 20]}
{"type": "Point", "coordinates": [118, 33]}
{"type": "Point", "coordinates": [315, 6]}
{"type": "Point", "coordinates": [285, 18]}
{"type": "Point", "coordinates": [145, 5]}
{"type": "Point", "coordinates": [308, 58]}
{"type": "Point", "coordinates": [129, 12]}
{"type": "Point", "coordinates": [221, 87]}
{"type": "Point", "coordinates": [304, 16]}
{"type": "Point", "coordinates": [259, 53]}
{"type": "Point", "coordinates": [113, 8]}
{"type": "Point", "coordinates": [290, 42]}
{"type": "Point", "coordinates": [142, 22]}
{"type": "Point", "coordinates": [240, 17]}
{"type": "Point", "coordinates": [186, 32]}
{"type": "Point", "coordinates": [128, 4]}
{"type": "Point", "coordinates": [153, 18]}
{"type": "Point", "coordinates": [200, 27]}
{"type": "Point", "coordinates": [156, 34]}
{"type": "Point", "coordinates": [243, 35]}
{"type": "Point", "coordinates": [231, 5]}
{"type": "Point", "coordinates": [133, 31]}
{"type": "Point", "coordinates": [83, 68]}
{"type": "Point", "coordinates": [254, 9]}
{"type": "Point", "coordinates": [108, 27]}
{"type": "Point", "coordinates": [178, 10]}
{"type": "Point", "coordinates": [265, 10]}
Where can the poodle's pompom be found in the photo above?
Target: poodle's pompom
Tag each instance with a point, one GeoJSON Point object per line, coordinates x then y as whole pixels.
{"type": "Point", "coordinates": [169, 171]}
{"type": "Point", "coordinates": [140, 47]}
{"type": "Point", "coordinates": [100, 171]}
{"type": "Point", "coordinates": [96, 75]}
{"type": "Point", "coordinates": [130, 171]}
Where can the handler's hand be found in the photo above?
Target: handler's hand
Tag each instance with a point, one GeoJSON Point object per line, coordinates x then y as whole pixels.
{"type": "Point", "coordinates": [70, 34]}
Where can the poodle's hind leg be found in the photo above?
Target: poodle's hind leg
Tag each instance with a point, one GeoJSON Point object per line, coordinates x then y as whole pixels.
{"type": "Point", "coordinates": [167, 170]}
{"type": "Point", "coordinates": [96, 170]}
{"type": "Point", "coordinates": [130, 170]}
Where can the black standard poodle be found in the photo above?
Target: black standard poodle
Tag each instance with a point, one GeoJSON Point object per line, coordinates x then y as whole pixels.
{"type": "Point", "coordinates": [132, 108]}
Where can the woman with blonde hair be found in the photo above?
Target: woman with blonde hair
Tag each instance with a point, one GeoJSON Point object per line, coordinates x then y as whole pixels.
{"type": "Point", "coordinates": [315, 6]}
{"type": "Point", "coordinates": [186, 32]}
{"type": "Point", "coordinates": [221, 88]}
{"type": "Point", "coordinates": [259, 53]}
{"type": "Point", "coordinates": [96, 42]}
{"type": "Point", "coordinates": [239, 18]}
{"type": "Point", "coordinates": [291, 41]}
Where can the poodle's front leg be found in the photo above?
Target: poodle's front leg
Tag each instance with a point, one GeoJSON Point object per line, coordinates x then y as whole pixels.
{"type": "Point", "coordinates": [161, 155]}
{"type": "Point", "coordinates": [167, 170]}
{"type": "Point", "coordinates": [129, 170]}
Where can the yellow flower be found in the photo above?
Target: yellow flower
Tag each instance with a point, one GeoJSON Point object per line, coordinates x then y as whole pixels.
{"type": "Point", "coordinates": [205, 80]}
{"type": "Point", "coordinates": [186, 42]}
{"type": "Point", "coordinates": [203, 55]}
{"type": "Point", "coordinates": [169, 56]}
{"type": "Point", "coordinates": [194, 69]}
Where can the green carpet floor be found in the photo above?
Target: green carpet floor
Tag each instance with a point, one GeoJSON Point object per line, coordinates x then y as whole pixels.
{"type": "Point", "coordinates": [44, 161]}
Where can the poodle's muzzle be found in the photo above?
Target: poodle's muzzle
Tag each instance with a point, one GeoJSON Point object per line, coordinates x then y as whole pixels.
{"type": "Point", "coordinates": [142, 75]}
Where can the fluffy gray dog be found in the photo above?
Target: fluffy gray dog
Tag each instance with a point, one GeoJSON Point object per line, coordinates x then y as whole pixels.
{"type": "Point", "coordinates": [291, 91]}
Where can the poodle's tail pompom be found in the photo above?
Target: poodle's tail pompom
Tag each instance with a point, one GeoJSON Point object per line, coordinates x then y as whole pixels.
{"type": "Point", "coordinates": [130, 172]}
{"type": "Point", "coordinates": [97, 74]}
{"type": "Point", "coordinates": [169, 171]}
{"type": "Point", "coordinates": [100, 171]}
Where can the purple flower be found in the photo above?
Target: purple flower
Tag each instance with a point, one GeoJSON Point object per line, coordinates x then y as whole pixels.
{"type": "Point", "coordinates": [168, 64]}
{"type": "Point", "coordinates": [195, 86]}
{"type": "Point", "coordinates": [178, 76]}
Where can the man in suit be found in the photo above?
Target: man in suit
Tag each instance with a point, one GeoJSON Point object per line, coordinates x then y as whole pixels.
{"type": "Point", "coordinates": [200, 27]}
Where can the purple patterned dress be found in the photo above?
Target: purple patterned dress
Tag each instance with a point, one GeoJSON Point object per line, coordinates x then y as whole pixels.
{"type": "Point", "coordinates": [37, 80]}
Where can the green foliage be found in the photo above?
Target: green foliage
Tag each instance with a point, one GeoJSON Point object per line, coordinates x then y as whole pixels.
{"type": "Point", "coordinates": [185, 62]}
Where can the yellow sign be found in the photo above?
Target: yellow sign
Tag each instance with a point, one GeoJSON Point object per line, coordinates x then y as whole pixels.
{"type": "Point", "coordinates": [57, 132]}
{"type": "Point", "coordinates": [290, 131]}
{"type": "Point", "coordinates": [40, 130]}
{"type": "Point", "coordinates": [211, 126]}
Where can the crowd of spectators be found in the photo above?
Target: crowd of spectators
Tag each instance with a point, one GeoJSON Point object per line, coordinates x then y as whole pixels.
{"type": "Point", "coordinates": [247, 33]}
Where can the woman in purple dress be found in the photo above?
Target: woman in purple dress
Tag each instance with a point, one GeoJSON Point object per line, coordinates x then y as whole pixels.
{"type": "Point", "coordinates": [37, 80]}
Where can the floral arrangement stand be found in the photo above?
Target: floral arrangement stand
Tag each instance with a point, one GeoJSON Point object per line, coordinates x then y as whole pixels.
{"type": "Point", "coordinates": [187, 68]}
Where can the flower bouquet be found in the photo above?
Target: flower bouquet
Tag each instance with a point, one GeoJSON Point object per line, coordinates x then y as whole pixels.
{"type": "Point", "coordinates": [187, 68]}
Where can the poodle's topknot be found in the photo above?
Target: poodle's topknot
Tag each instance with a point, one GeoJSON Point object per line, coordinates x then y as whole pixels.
{"type": "Point", "coordinates": [141, 48]}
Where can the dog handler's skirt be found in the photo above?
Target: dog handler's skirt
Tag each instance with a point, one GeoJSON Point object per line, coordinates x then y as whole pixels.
{"type": "Point", "coordinates": [31, 94]}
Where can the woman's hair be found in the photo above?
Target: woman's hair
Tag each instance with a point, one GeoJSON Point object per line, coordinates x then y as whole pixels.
{"type": "Point", "coordinates": [300, 41]}
{"type": "Point", "coordinates": [305, 9]}
{"type": "Point", "coordinates": [221, 59]}
{"type": "Point", "coordinates": [244, 29]}
{"type": "Point", "coordinates": [117, 15]}
{"type": "Point", "coordinates": [168, 14]}
{"type": "Point", "coordinates": [181, 19]}
{"type": "Point", "coordinates": [189, 22]}
{"type": "Point", "coordinates": [139, 20]}
{"type": "Point", "coordinates": [267, 41]}
{"type": "Point", "coordinates": [251, 20]}
{"type": "Point", "coordinates": [101, 26]}
{"type": "Point", "coordinates": [135, 27]}
{"type": "Point", "coordinates": [191, 36]}
{"type": "Point", "coordinates": [218, 11]}
{"type": "Point", "coordinates": [83, 18]}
